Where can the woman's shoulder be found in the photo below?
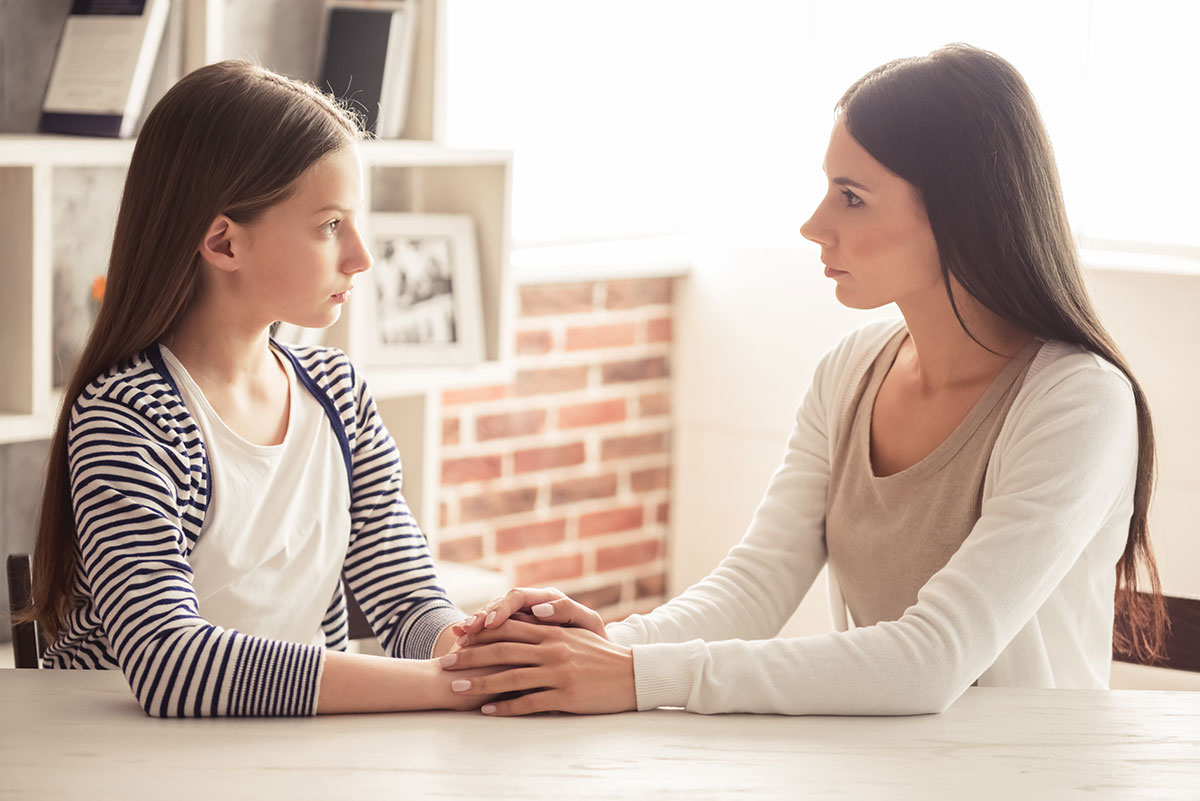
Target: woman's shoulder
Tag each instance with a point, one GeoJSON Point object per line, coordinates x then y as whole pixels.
{"type": "Point", "coordinates": [1068, 367]}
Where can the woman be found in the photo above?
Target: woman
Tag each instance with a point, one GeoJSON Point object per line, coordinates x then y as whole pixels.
{"type": "Point", "coordinates": [208, 487]}
{"type": "Point", "coordinates": [971, 473]}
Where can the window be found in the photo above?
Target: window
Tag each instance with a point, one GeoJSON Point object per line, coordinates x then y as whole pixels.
{"type": "Point", "coordinates": [641, 117]}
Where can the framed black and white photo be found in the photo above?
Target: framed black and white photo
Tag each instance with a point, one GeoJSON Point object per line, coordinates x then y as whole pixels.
{"type": "Point", "coordinates": [422, 300]}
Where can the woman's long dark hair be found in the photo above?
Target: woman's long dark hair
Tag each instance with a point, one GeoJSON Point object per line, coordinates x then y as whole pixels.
{"type": "Point", "coordinates": [229, 138]}
{"type": "Point", "coordinates": [961, 126]}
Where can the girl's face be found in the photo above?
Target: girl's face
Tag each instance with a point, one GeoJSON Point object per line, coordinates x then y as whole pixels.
{"type": "Point", "coordinates": [303, 254]}
{"type": "Point", "coordinates": [875, 238]}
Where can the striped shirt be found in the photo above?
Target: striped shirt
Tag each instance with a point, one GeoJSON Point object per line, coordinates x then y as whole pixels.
{"type": "Point", "coordinates": [140, 487]}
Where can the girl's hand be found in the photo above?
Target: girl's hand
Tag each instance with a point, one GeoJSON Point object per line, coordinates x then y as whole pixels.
{"type": "Point", "coordinates": [555, 668]}
{"type": "Point", "coordinates": [548, 605]}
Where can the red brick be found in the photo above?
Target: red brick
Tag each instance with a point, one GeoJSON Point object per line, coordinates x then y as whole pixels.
{"type": "Point", "coordinates": [651, 586]}
{"type": "Point", "coordinates": [512, 424]}
{"type": "Point", "coordinates": [639, 553]}
{"type": "Point", "coordinates": [591, 414]}
{"type": "Point", "coordinates": [599, 597]}
{"type": "Point", "coordinates": [451, 430]}
{"type": "Point", "coordinates": [663, 515]}
{"type": "Point", "coordinates": [610, 520]}
{"type": "Point", "coordinates": [534, 343]}
{"type": "Point", "coordinates": [637, 445]}
{"type": "Point", "coordinates": [601, 336]}
{"type": "Point", "coordinates": [556, 379]}
{"type": "Point", "coordinates": [462, 549]}
{"type": "Point", "coordinates": [659, 330]}
{"type": "Point", "coordinates": [638, 292]}
{"type": "Point", "coordinates": [556, 299]}
{"type": "Point", "coordinates": [654, 404]}
{"type": "Point", "coordinates": [582, 489]}
{"type": "Point", "coordinates": [531, 535]}
{"type": "Point", "coordinates": [476, 468]}
{"type": "Point", "coordinates": [546, 458]}
{"type": "Point", "coordinates": [445, 514]}
{"type": "Point", "coordinates": [497, 504]}
{"type": "Point", "coordinates": [655, 478]}
{"type": "Point", "coordinates": [531, 574]}
{"type": "Point", "coordinates": [636, 370]}
{"type": "Point", "coordinates": [452, 397]}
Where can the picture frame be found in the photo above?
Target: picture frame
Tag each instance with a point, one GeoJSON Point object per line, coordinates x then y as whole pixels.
{"type": "Point", "coordinates": [420, 303]}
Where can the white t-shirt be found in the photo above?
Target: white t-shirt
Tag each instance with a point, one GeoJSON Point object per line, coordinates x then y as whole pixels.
{"type": "Point", "coordinates": [278, 523]}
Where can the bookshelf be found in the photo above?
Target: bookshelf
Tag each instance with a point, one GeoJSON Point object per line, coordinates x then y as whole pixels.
{"type": "Point", "coordinates": [412, 175]}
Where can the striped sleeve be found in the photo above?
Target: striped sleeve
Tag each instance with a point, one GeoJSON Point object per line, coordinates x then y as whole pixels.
{"type": "Point", "coordinates": [137, 495]}
{"type": "Point", "coordinates": [389, 567]}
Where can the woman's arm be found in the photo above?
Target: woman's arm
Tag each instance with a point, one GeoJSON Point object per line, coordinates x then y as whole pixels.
{"type": "Point", "coordinates": [1066, 472]}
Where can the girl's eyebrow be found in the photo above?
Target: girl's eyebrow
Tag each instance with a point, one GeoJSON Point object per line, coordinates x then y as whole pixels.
{"type": "Point", "coordinates": [324, 209]}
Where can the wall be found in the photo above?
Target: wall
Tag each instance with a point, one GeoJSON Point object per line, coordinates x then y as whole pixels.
{"type": "Point", "coordinates": [753, 322]}
{"type": "Point", "coordinates": [561, 476]}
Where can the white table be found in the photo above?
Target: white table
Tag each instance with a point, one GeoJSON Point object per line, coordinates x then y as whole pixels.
{"type": "Point", "coordinates": [76, 734]}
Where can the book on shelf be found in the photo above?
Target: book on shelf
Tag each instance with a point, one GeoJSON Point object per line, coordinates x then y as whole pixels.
{"type": "Point", "coordinates": [367, 57]}
{"type": "Point", "coordinates": [102, 67]}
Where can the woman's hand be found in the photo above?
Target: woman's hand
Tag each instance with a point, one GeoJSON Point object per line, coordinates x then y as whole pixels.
{"type": "Point", "coordinates": [556, 668]}
{"type": "Point", "coordinates": [548, 605]}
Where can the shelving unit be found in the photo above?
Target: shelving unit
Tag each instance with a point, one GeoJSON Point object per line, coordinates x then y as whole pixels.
{"type": "Point", "coordinates": [415, 175]}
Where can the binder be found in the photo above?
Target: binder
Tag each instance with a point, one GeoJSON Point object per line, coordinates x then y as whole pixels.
{"type": "Point", "coordinates": [102, 67]}
{"type": "Point", "coordinates": [367, 59]}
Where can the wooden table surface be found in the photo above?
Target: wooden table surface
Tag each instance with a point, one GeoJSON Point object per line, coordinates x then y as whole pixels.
{"type": "Point", "coordinates": [80, 734]}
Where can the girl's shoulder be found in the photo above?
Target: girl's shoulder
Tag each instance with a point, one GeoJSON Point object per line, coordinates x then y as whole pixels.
{"type": "Point", "coordinates": [326, 367]}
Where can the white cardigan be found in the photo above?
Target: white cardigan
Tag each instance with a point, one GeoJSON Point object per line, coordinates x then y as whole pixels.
{"type": "Point", "coordinates": [1027, 601]}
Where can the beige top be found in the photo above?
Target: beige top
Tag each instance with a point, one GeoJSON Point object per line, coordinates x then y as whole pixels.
{"type": "Point", "coordinates": [888, 535]}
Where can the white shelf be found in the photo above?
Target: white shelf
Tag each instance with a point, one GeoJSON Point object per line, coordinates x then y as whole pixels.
{"type": "Point", "coordinates": [398, 382]}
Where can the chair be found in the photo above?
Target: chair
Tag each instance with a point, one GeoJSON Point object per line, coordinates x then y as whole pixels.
{"type": "Point", "coordinates": [28, 645]}
{"type": "Point", "coordinates": [1181, 649]}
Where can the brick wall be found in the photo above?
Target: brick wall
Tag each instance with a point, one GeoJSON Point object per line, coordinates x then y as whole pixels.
{"type": "Point", "coordinates": [562, 476]}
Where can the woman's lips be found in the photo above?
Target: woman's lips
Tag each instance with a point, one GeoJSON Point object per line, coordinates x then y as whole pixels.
{"type": "Point", "coordinates": [832, 273]}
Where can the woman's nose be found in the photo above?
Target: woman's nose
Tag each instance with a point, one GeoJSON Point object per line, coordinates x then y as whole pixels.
{"type": "Point", "coordinates": [814, 231]}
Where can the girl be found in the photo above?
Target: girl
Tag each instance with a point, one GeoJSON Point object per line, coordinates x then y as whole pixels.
{"type": "Point", "coordinates": [210, 489]}
{"type": "Point", "coordinates": [971, 473]}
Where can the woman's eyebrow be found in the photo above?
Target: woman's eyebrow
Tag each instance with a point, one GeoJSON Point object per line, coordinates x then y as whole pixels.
{"type": "Point", "coordinates": [850, 182]}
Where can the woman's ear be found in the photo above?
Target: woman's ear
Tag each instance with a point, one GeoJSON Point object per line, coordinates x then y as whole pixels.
{"type": "Point", "coordinates": [217, 247]}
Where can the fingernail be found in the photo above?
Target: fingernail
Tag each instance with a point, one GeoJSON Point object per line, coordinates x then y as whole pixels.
{"type": "Point", "coordinates": [487, 709]}
{"type": "Point", "coordinates": [462, 640]}
{"type": "Point", "coordinates": [543, 610]}
{"type": "Point", "coordinates": [460, 685]}
{"type": "Point", "coordinates": [448, 660]}
{"type": "Point", "coordinates": [469, 620]}
{"type": "Point", "coordinates": [491, 616]}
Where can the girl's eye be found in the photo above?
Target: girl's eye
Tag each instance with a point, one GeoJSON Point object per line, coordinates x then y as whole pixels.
{"type": "Point", "coordinates": [852, 200]}
{"type": "Point", "coordinates": [329, 227]}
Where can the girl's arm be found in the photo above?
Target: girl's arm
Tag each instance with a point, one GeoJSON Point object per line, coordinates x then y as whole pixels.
{"type": "Point", "coordinates": [1066, 473]}
{"type": "Point", "coordinates": [388, 565]}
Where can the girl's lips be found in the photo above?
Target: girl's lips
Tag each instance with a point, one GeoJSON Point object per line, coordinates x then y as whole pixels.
{"type": "Point", "coordinates": [342, 297]}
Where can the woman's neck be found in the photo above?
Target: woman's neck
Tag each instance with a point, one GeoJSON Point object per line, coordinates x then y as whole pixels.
{"type": "Point", "coordinates": [944, 356]}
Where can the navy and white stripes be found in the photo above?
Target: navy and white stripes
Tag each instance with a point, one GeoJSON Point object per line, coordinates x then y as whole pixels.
{"type": "Point", "coordinates": [140, 487]}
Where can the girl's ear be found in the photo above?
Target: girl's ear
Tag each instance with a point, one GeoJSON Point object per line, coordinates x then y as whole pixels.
{"type": "Point", "coordinates": [217, 247]}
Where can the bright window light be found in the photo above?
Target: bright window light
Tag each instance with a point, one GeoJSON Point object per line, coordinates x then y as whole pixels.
{"type": "Point", "coordinates": [635, 118]}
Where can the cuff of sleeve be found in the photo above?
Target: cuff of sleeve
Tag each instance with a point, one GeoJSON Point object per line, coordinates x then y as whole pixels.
{"type": "Point", "coordinates": [664, 672]}
{"type": "Point", "coordinates": [622, 633]}
{"type": "Point", "coordinates": [422, 636]}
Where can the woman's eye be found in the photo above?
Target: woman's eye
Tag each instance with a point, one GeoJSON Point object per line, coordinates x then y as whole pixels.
{"type": "Point", "coordinates": [330, 227]}
{"type": "Point", "coordinates": [852, 200]}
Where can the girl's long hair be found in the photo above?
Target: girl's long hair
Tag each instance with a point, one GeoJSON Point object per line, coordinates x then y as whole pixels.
{"type": "Point", "coordinates": [229, 138]}
{"type": "Point", "coordinates": [961, 126]}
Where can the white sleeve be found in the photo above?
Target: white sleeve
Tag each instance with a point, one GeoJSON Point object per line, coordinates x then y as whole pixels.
{"type": "Point", "coordinates": [757, 587]}
{"type": "Point", "coordinates": [1068, 468]}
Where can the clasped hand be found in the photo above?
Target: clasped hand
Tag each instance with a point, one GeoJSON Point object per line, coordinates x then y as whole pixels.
{"type": "Point", "coordinates": [553, 652]}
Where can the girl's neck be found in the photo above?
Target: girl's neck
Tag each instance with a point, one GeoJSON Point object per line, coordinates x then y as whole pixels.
{"type": "Point", "coordinates": [215, 346]}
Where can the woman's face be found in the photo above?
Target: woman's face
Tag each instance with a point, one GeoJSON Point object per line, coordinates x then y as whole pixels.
{"type": "Point", "coordinates": [875, 238]}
